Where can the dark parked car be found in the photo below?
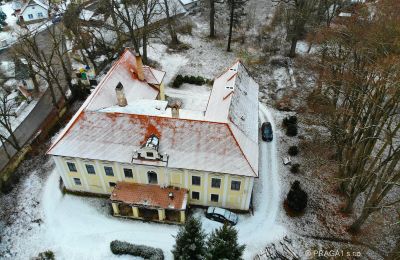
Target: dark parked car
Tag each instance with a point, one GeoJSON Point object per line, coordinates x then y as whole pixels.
{"type": "Point", "coordinates": [221, 215]}
{"type": "Point", "coordinates": [266, 132]}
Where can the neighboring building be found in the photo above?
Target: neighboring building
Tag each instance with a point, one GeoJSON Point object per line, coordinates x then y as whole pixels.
{"type": "Point", "coordinates": [155, 158]}
{"type": "Point", "coordinates": [34, 11]}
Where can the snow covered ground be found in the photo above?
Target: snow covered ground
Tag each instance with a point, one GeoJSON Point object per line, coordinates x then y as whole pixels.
{"type": "Point", "coordinates": [82, 228]}
{"type": "Point", "coordinates": [9, 33]}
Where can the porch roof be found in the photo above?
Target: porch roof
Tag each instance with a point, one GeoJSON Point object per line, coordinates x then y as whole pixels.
{"type": "Point", "coordinates": [152, 196]}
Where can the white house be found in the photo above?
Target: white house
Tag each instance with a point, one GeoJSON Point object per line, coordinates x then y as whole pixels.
{"type": "Point", "coordinates": [33, 11]}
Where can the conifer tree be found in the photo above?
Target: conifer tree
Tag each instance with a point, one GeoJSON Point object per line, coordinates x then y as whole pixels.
{"type": "Point", "coordinates": [190, 241]}
{"type": "Point", "coordinates": [223, 244]}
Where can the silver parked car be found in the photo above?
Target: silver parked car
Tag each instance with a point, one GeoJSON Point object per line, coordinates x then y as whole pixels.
{"type": "Point", "coordinates": [222, 215]}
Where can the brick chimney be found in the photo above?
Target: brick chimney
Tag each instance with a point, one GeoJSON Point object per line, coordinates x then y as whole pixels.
{"type": "Point", "coordinates": [121, 99]}
{"type": "Point", "coordinates": [139, 66]}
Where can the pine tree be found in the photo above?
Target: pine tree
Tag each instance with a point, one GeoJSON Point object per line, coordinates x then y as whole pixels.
{"type": "Point", "coordinates": [3, 17]}
{"type": "Point", "coordinates": [190, 241]}
{"type": "Point", "coordinates": [223, 244]}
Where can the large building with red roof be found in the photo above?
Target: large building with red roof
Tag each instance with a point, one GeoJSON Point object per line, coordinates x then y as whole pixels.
{"type": "Point", "coordinates": [154, 158]}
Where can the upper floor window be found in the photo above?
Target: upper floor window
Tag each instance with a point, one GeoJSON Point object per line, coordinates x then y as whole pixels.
{"type": "Point", "coordinates": [128, 173]}
{"type": "Point", "coordinates": [109, 171]}
{"type": "Point", "coordinates": [152, 177]}
{"type": "Point", "coordinates": [235, 185]}
{"type": "Point", "coordinates": [30, 16]}
{"type": "Point", "coordinates": [215, 183]}
{"type": "Point", "coordinates": [149, 154]}
{"type": "Point", "coordinates": [40, 14]}
{"type": "Point", "coordinates": [196, 180]}
{"type": "Point", "coordinates": [71, 167]}
{"type": "Point", "coordinates": [90, 169]}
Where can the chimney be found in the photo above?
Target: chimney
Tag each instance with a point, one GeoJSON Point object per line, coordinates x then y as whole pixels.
{"type": "Point", "coordinates": [139, 66]}
{"type": "Point", "coordinates": [175, 105]}
{"type": "Point", "coordinates": [121, 99]}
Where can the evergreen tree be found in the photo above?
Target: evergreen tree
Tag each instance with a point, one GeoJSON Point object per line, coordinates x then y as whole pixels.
{"type": "Point", "coordinates": [223, 244]}
{"type": "Point", "coordinates": [190, 241]}
{"type": "Point", "coordinates": [3, 17]}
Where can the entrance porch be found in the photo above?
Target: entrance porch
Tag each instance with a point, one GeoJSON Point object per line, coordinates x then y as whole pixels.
{"type": "Point", "coordinates": [149, 202]}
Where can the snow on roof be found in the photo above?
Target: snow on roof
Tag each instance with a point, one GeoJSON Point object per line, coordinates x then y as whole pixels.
{"type": "Point", "coordinates": [86, 15]}
{"type": "Point", "coordinates": [140, 107]}
{"type": "Point", "coordinates": [150, 196]}
{"type": "Point", "coordinates": [125, 72]}
{"type": "Point", "coordinates": [186, 2]}
{"type": "Point", "coordinates": [190, 144]}
{"type": "Point", "coordinates": [38, 2]}
{"type": "Point", "coordinates": [222, 139]}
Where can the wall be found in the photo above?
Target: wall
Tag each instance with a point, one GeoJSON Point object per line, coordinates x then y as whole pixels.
{"type": "Point", "coordinates": [34, 10]}
{"type": "Point", "coordinates": [100, 182]}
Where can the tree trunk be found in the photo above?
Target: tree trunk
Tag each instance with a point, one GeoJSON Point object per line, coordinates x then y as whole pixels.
{"type": "Point", "coordinates": [171, 29]}
{"type": "Point", "coordinates": [292, 52]}
{"type": "Point", "coordinates": [349, 204]}
{"type": "Point", "coordinates": [212, 18]}
{"type": "Point", "coordinates": [5, 148]}
{"type": "Point", "coordinates": [356, 226]}
{"type": "Point", "coordinates": [231, 25]}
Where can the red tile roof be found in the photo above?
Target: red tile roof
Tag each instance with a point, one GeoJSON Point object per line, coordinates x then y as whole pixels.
{"type": "Point", "coordinates": [152, 196]}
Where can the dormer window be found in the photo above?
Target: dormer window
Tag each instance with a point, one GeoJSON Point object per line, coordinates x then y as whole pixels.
{"type": "Point", "coordinates": [149, 150]}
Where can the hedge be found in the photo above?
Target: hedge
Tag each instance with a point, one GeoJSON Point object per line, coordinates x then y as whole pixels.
{"type": "Point", "coordinates": [146, 252]}
{"type": "Point", "coordinates": [179, 80]}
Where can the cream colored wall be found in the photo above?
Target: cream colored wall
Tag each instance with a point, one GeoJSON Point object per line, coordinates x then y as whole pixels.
{"type": "Point", "coordinates": [99, 182]}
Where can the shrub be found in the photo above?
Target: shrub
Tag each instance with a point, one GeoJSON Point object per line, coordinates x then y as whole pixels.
{"type": "Point", "coordinates": [289, 120]}
{"type": "Point", "coordinates": [46, 255]}
{"type": "Point", "coordinates": [146, 252]}
{"type": "Point", "coordinates": [291, 130]}
{"type": "Point", "coordinates": [297, 198]}
{"type": "Point", "coordinates": [293, 150]}
{"type": "Point", "coordinates": [179, 80]}
{"type": "Point", "coordinates": [295, 168]}
{"type": "Point", "coordinates": [185, 28]}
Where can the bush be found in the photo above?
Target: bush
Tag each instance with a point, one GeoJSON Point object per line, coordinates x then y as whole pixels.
{"type": "Point", "coordinates": [295, 168]}
{"type": "Point", "coordinates": [291, 120]}
{"type": "Point", "coordinates": [297, 198]}
{"type": "Point", "coordinates": [146, 252]}
{"type": "Point", "coordinates": [293, 150]}
{"type": "Point", "coordinates": [179, 80]}
{"type": "Point", "coordinates": [291, 130]}
{"type": "Point", "coordinates": [46, 255]}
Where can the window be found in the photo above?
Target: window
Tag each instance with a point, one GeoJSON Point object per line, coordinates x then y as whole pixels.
{"type": "Point", "coordinates": [149, 154]}
{"type": "Point", "coordinates": [195, 195]}
{"type": "Point", "coordinates": [152, 177]}
{"type": "Point", "coordinates": [30, 16]}
{"type": "Point", "coordinates": [235, 185]}
{"type": "Point", "coordinates": [71, 167]}
{"type": "Point", "coordinates": [128, 173]}
{"type": "Point", "coordinates": [215, 183]}
{"type": "Point", "coordinates": [214, 197]}
{"type": "Point", "coordinates": [109, 171]}
{"type": "Point", "coordinates": [196, 180]}
{"type": "Point", "coordinates": [77, 181]}
{"type": "Point", "coordinates": [40, 14]}
{"type": "Point", "coordinates": [90, 169]}
{"type": "Point", "coordinates": [112, 184]}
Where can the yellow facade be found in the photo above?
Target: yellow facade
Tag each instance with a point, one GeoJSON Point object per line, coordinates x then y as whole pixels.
{"type": "Point", "coordinates": [205, 188]}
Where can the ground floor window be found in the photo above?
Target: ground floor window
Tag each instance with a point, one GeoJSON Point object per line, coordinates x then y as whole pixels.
{"type": "Point", "coordinates": [77, 181]}
{"type": "Point", "coordinates": [112, 184]}
{"type": "Point", "coordinates": [128, 173]}
{"type": "Point", "coordinates": [195, 195]}
{"type": "Point", "coordinates": [214, 197]}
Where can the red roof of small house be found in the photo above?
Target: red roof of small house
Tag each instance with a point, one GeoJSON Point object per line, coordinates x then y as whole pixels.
{"type": "Point", "coordinates": [224, 139]}
{"type": "Point", "coordinates": [151, 196]}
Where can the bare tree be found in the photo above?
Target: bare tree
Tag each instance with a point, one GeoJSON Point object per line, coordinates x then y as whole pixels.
{"type": "Point", "coordinates": [171, 24]}
{"type": "Point", "coordinates": [236, 9]}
